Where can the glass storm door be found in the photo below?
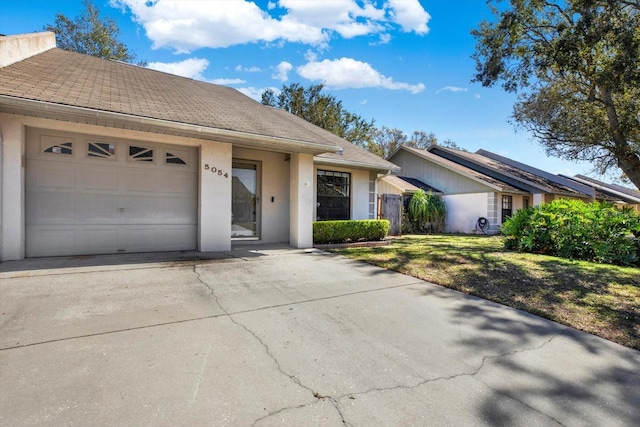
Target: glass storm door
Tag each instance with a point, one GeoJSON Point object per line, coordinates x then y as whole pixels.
{"type": "Point", "coordinates": [244, 200]}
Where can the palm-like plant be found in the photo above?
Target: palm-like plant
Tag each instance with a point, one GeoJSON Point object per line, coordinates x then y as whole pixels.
{"type": "Point", "coordinates": [427, 211]}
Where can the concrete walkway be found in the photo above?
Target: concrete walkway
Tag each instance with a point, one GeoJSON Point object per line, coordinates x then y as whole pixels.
{"type": "Point", "coordinates": [278, 336]}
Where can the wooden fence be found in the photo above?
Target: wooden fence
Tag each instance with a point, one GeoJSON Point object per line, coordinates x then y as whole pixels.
{"type": "Point", "coordinates": [390, 207]}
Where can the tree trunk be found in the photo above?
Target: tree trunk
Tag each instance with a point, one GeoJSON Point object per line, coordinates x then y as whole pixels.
{"type": "Point", "coordinates": [626, 158]}
{"type": "Point", "coordinates": [630, 165]}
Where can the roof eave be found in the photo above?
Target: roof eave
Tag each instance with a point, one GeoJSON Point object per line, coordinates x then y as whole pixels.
{"type": "Point", "coordinates": [625, 197]}
{"type": "Point", "coordinates": [70, 113]}
{"type": "Point", "coordinates": [352, 164]}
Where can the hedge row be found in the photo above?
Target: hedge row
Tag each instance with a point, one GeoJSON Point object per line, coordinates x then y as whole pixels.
{"type": "Point", "coordinates": [595, 231]}
{"type": "Point", "coordinates": [349, 231]}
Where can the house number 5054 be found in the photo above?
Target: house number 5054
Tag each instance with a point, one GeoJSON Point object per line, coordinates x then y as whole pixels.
{"type": "Point", "coordinates": [216, 171]}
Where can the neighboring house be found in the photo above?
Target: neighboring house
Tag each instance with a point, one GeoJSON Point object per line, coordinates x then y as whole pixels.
{"type": "Point", "coordinates": [484, 184]}
{"type": "Point", "coordinates": [617, 194]}
{"type": "Point", "coordinates": [468, 195]}
{"type": "Point", "coordinates": [100, 156]}
{"type": "Point", "coordinates": [543, 186]}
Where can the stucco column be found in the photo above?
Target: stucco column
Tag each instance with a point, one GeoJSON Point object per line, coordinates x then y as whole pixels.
{"type": "Point", "coordinates": [214, 213]}
{"type": "Point", "coordinates": [301, 208]}
{"type": "Point", "coordinates": [12, 188]}
{"type": "Point", "coordinates": [538, 199]}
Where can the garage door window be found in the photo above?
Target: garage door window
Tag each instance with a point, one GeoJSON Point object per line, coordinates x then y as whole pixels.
{"type": "Point", "coordinates": [140, 154]}
{"type": "Point", "coordinates": [62, 148]}
{"type": "Point", "coordinates": [174, 159]}
{"type": "Point", "coordinates": [103, 150]}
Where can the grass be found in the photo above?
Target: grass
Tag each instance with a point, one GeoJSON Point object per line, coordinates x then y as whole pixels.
{"type": "Point", "coordinates": [601, 299]}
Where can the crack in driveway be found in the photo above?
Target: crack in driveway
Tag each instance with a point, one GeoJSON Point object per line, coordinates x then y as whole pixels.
{"type": "Point", "coordinates": [314, 397]}
{"type": "Point", "coordinates": [335, 401]}
{"type": "Point", "coordinates": [293, 378]}
{"type": "Point", "coordinates": [213, 316]}
{"type": "Point", "coordinates": [471, 374]}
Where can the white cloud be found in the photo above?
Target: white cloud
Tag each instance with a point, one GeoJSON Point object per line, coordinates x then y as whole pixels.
{"type": "Point", "coordinates": [345, 17]}
{"type": "Point", "coordinates": [310, 56]}
{"type": "Point", "coordinates": [256, 93]}
{"type": "Point", "coordinates": [452, 89]}
{"type": "Point", "coordinates": [226, 81]}
{"type": "Point", "coordinates": [349, 73]}
{"type": "Point", "coordinates": [282, 71]}
{"type": "Point", "coordinates": [410, 15]}
{"type": "Point", "coordinates": [249, 69]}
{"type": "Point", "coordinates": [187, 25]}
{"type": "Point", "coordinates": [191, 68]}
{"type": "Point", "coordinates": [384, 38]}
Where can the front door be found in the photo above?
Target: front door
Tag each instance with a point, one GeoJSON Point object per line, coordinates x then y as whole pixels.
{"type": "Point", "coordinates": [244, 200]}
{"type": "Point", "coordinates": [507, 207]}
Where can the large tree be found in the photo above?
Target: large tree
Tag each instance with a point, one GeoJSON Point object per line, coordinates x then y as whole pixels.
{"type": "Point", "coordinates": [90, 34]}
{"type": "Point", "coordinates": [386, 140]}
{"type": "Point", "coordinates": [322, 110]}
{"type": "Point", "coordinates": [576, 67]}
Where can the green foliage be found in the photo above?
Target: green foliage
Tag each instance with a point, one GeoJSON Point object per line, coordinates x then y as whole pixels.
{"type": "Point", "coordinates": [90, 34]}
{"type": "Point", "coordinates": [576, 65]}
{"type": "Point", "coordinates": [322, 110]}
{"type": "Point", "coordinates": [349, 230]}
{"type": "Point", "coordinates": [596, 231]}
{"type": "Point", "coordinates": [427, 211]}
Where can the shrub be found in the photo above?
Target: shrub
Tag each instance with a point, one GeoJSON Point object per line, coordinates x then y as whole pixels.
{"type": "Point", "coordinates": [595, 231]}
{"type": "Point", "coordinates": [349, 230]}
{"type": "Point", "coordinates": [427, 211]}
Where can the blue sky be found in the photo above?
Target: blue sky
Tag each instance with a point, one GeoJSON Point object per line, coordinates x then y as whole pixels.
{"type": "Point", "coordinates": [404, 63]}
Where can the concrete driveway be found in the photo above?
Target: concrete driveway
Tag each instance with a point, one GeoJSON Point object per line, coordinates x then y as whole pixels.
{"type": "Point", "coordinates": [278, 336]}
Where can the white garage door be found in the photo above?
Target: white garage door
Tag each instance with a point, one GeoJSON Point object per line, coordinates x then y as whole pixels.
{"type": "Point", "coordinates": [94, 195]}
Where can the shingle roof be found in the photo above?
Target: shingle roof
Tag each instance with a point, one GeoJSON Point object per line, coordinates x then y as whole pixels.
{"type": "Point", "coordinates": [610, 192]}
{"type": "Point", "coordinates": [419, 184]}
{"type": "Point", "coordinates": [615, 187]}
{"type": "Point", "coordinates": [409, 185]}
{"type": "Point", "coordinates": [66, 78]}
{"type": "Point", "coordinates": [524, 174]}
{"type": "Point", "coordinates": [353, 155]}
{"type": "Point", "coordinates": [463, 170]}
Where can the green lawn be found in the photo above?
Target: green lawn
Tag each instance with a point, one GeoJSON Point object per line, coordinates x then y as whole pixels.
{"type": "Point", "coordinates": [600, 299]}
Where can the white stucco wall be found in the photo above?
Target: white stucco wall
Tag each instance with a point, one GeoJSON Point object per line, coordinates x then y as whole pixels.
{"type": "Point", "coordinates": [214, 216]}
{"type": "Point", "coordinates": [12, 190]}
{"type": "Point", "coordinates": [274, 202]}
{"type": "Point", "coordinates": [302, 197]}
{"type": "Point", "coordinates": [538, 199]}
{"type": "Point", "coordinates": [463, 211]}
{"type": "Point", "coordinates": [18, 47]}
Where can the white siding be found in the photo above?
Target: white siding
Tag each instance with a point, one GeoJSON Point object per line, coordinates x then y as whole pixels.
{"type": "Point", "coordinates": [439, 177]}
{"type": "Point", "coordinates": [385, 188]}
